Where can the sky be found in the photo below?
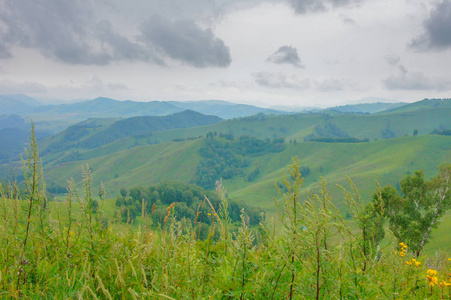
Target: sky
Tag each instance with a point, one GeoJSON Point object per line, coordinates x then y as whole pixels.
{"type": "Point", "coordinates": [304, 53]}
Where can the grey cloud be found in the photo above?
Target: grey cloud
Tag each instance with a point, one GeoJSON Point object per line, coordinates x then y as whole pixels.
{"type": "Point", "coordinates": [279, 80]}
{"type": "Point", "coordinates": [395, 62]}
{"type": "Point", "coordinates": [305, 6]}
{"type": "Point", "coordinates": [74, 32]}
{"type": "Point", "coordinates": [437, 27]}
{"type": "Point", "coordinates": [119, 47]}
{"type": "Point", "coordinates": [416, 81]}
{"type": "Point", "coordinates": [55, 27]}
{"type": "Point", "coordinates": [185, 41]}
{"type": "Point", "coordinates": [286, 55]}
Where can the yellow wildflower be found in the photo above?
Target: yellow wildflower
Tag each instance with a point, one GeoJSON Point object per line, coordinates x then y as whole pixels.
{"type": "Point", "coordinates": [402, 245]}
{"type": "Point", "coordinates": [413, 262]}
{"type": "Point", "coordinates": [444, 283]}
{"type": "Point", "coordinates": [433, 280]}
{"type": "Point", "coordinates": [432, 272]}
{"type": "Point", "coordinates": [209, 214]}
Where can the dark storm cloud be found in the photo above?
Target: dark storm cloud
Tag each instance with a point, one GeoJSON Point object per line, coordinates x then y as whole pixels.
{"type": "Point", "coordinates": [437, 27]}
{"type": "Point", "coordinates": [185, 41]}
{"type": "Point", "coordinates": [305, 6]}
{"type": "Point", "coordinates": [279, 80]}
{"type": "Point", "coordinates": [416, 81]}
{"type": "Point", "coordinates": [286, 55]}
{"type": "Point", "coordinates": [74, 33]}
{"type": "Point", "coordinates": [57, 28]}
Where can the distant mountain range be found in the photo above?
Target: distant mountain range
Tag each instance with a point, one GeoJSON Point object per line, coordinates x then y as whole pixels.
{"type": "Point", "coordinates": [109, 108]}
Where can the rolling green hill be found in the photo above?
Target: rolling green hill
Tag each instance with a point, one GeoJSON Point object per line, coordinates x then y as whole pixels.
{"type": "Point", "coordinates": [386, 161]}
{"type": "Point", "coordinates": [122, 157]}
{"type": "Point", "coordinates": [424, 104]}
{"type": "Point", "coordinates": [299, 126]}
{"type": "Point", "coordinates": [94, 133]}
{"type": "Point", "coordinates": [364, 108]}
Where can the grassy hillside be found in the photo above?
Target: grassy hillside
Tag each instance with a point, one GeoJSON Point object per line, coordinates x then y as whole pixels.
{"type": "Point", "coordinates": [424, 104]}
{"type": "Point", "coordinates": [369, 108]}
{"type": "Point", "coordinates": [94, 133]}
{"type": "Point", "coordinates": [386, 161]}
{"type": "Point", "coordinates": [143, 165]}
{"type": "Point", "coordinates": [298, 126]}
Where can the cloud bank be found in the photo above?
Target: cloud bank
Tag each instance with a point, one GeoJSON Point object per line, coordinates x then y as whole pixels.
{"type": "Point", "coordinates": [286, 55]}
{"type": "Point", "coordinates": [68, 31]}
{"type": "Point", "coordinates": [437, 26]}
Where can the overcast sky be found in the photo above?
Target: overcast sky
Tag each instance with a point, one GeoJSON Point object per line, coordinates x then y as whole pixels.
{"type": "Point", "coordinates": [263, 52]}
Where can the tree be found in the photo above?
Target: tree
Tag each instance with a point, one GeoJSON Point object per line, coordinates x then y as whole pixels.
{"type": "Point", "coordinates": [413, 215]}
{"type": "Point", "coordinates": [415, 132]}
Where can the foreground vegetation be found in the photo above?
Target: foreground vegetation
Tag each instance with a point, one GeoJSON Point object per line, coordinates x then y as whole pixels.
{"type": "Point", "coordinates": [79, 252]}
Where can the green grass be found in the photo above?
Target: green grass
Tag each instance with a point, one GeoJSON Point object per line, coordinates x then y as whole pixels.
{"type": "Point", "coordinates": [315, 256]}
{"type": "Point", "coordinates": [143, 165]}
{"type": "Point", "coordinates": [386, 161]}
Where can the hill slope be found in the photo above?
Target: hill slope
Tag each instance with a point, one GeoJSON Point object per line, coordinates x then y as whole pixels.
{"type": "Point", "coordinates": [386, 161]}
{"type": "Point", "coordinates": [424, 104]}
{"type": "Point", "coordinates": [369, 108]}
{"type": "Point", "coordinates": [94, 133]}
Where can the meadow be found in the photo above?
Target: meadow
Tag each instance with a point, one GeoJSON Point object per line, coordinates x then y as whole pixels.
{"type": "Point", "coordinates": [306, 250]}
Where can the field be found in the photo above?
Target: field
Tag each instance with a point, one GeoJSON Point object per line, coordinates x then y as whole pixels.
{"type": "Point", "coordinates": [69, 250]}
{"type": "Point", "coordinates": [327, 230]}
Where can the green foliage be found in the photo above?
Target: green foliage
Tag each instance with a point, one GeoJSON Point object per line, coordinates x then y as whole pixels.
{"type": "Point", "coordinates": [338, 140]}
{"type": "Point", "coordinates": [226, 159]}
{"type": "Point", "coordinates": [328, 129]}
{"type": "Point", "coordinates": [190, 203]}
{"type": "Point", "coordinates": [252, 175]}
{"type": "Point", "coordinates": [387, 133]}
{"type": "Point", "coordinates": [441, 131]}
{"type": "Point", "coordinates": [413, 215]}
{"type": "Point", "coordinates": [69, 251]}
{"type": "Point", "coordinates": [415, 132]}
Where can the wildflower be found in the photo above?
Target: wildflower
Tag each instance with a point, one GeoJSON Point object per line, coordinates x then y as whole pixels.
{"type": "Point", "coordinates": [449, 259]}
{"type": "Point", "coordinates": [444, 283]}
{"type": "Point", "coordinates": [209, 214]}
{"type": "Point", "coordinates": [403, 251]}
{"type": "Point", "coordinates": [413, 262]}
{"type": "Point", "coordinates": [432, 277]}
{"type": "Point", "coordinates": [433, 280]}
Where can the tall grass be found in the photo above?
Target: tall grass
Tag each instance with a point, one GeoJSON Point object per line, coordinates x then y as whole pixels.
{"type": "Point", "coordinates": [74, 252]}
